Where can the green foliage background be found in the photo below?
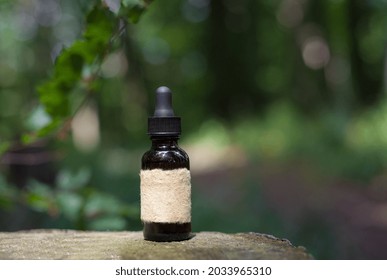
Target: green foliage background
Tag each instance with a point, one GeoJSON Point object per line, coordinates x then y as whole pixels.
{"type": "Point", "coordinates": [257, 84]}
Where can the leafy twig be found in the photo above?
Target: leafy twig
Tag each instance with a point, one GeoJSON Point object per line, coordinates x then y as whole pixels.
{"type": "Point", "coordinates": [90, 51]}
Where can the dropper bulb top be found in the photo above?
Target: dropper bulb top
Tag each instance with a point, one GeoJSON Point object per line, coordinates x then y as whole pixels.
{"type": "Point", "coordinates": [163, 106]}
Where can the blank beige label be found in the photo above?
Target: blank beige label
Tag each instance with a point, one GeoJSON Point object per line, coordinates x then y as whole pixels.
{"type": "Point", "coordinates": [166, 196]}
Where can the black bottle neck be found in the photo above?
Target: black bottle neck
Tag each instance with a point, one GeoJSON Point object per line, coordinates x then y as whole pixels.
{"type": "Point", "coordinates": [164, 141]}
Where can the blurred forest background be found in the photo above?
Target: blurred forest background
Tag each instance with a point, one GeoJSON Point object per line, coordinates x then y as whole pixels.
{"type": "Point", "coordinates": [283, 106]}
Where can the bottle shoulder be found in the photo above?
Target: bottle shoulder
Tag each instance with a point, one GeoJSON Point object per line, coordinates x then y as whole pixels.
{"type": "Point", "coordinates": [166, 159]}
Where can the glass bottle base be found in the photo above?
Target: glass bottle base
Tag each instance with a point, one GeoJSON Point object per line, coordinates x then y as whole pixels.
{"type": "Point", "coordinates": [167, 232]}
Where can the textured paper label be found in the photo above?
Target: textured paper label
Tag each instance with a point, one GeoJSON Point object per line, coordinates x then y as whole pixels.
{"type": "Point", "coordinates": [166, 196]}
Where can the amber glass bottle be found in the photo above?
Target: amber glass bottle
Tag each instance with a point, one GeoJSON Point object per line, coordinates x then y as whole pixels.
{"type": "Point", "coordinates": [165, 177]}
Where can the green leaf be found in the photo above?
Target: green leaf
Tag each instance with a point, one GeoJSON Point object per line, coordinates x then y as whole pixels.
{"type": "Point", "coordinates": [53, 97]}
{"type": "Point", "coordinates": [133, 9]}
{"type": "Point", "coordinates": [100, 27]}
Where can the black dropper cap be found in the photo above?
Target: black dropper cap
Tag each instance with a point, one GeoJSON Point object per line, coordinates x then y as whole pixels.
{"type": "Point", "coordinates": [164, 122]}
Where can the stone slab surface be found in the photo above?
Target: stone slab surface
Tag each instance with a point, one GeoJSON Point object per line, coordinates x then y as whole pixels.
{"type": "Point", "coordinates": [91, 245]}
